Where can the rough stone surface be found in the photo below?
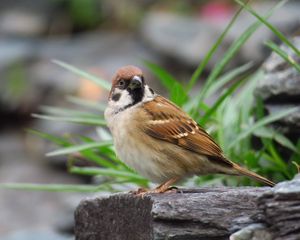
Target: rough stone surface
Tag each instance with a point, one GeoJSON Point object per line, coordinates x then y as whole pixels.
{"type": "Point", "coordinates": [116, 217]}
{"type": "Point", "coordinates": [281, 82]}
{"type": "Point", "coordinates": [280, 88]}
{"type": "Point", "coordinates": [289, 124]}
{"type": "Point", "coordinates": [206, 213]}
{"type": "Point", "coordinates": [281, 208]}
{"type": "Point", "coordinates": [203, 213]}
{"type": "Point", "coordinates": [253, 232]}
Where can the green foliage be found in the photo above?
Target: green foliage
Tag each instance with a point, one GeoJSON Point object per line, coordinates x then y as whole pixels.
{"type": "Point", "coordinates": [85, 14]}
{"type": "Point", "coordinates": [235, 120]}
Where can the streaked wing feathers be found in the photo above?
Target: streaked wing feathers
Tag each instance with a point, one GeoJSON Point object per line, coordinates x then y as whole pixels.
{"type": "Point", "coordinates": [169, 123]}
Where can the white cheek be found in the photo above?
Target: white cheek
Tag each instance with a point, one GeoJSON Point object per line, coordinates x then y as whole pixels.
{"type": "Point", "coordinates": [123, 101]}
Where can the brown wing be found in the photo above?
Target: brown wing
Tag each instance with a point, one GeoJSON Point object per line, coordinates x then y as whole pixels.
{"type": "Point", "coordinates": [169, 123]}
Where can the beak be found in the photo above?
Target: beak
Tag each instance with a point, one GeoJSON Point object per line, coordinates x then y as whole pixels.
{"type": "Point", "coordinates": [136, 82]}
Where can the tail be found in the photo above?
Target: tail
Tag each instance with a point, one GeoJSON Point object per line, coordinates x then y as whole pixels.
{"type": "Point", "coordinates": [244, 171]}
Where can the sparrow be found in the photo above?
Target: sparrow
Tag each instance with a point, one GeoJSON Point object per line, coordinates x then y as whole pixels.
{"type": "Point", "coordinates": [159, 140]}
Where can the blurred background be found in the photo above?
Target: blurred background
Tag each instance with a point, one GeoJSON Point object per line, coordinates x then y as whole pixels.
{"type": "Point", "coordinates": [97, 36]}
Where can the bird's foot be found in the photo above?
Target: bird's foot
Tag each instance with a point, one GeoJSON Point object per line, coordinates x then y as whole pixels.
{"type": "Point", "coordinates": [139, 191]}
{"type": "Point", "coordinates": [144, 192]}
{"type": "Point", "coordinates": [163, 188]}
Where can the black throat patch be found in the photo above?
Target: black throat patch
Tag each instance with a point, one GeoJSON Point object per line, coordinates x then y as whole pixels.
{"type": "Point", "coordinates": [136, 95]}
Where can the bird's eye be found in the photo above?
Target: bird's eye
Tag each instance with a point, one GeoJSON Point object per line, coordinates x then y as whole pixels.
{"type": "Point", "coordinates": [121, 83]}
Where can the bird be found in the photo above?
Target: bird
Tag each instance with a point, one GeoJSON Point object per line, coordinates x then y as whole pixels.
{"type": "Point", "coordinates": [157, 139]}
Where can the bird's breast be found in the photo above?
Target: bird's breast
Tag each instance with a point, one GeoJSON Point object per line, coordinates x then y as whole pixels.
{"type": "Point", "coordinates": [152, 158]}
{"type": "Point", "coordinates": [136, 149]}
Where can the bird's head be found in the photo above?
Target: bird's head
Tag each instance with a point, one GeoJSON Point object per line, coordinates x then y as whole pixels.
{"type": "Point", "coordinates": [128, 88]}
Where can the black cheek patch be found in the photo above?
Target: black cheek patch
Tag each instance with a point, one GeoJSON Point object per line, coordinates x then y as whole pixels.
{"type": "Point", "coordinates": [116, 97]}
{"type": "Point", "coordinates": [151, 90]}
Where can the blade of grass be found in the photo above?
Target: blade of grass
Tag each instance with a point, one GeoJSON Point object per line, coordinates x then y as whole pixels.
{"type": "Point", "coordinates": [51, 187]}
{"type": "Point", "coordinates": [78, 148]}
{"type": "Point", "coordinates": [276, 157]}
{"type": "Point", "coordinates": [96, 158]}
{"type": "Point", "coordinates": [197, 73]}
{"type": "Point", "coordinates": [177, 92]}
{"type": "Point", "coordinates": [86, 103]}
{"type": "Point", "coordinates": [79, 120]}
{"type": "Point", "coordinates": [93, 171]}
{"type": "Point", "coordinates": [278, 137]}
{"type": "Point", "coordinates": [226, 78]}
{"type": "Point", "coordinates": [220, 100]}
{"type": "Point", "coordinates": [262, 122]}
{"type": "Point", "coordinates": [230, 53]}
{"type": "Point", "coordinates": [57, 140]}
{"type": "Point", "coordinates": [66, 112]}
{"type": "Point", "coordinates": [283, 54]}
{"type": "Point", "coordinates": [100, 82]}
{"type": "Point", "coordinates": [270, 26]}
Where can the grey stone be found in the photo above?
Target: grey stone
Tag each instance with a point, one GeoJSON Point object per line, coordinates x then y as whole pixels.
{"type": "Point", "coordinates": [187, 39]}
{"type": "Point", "coordinates": [252, 232]}
{"type": "Point", "coordinates": [280, 89]}
{"type": "Point", "coordinates": [281, 81]}
{"type": "Point", "coordinates": [286, 19]}
{"type": "Point", "coordinates": [26, 18]}
{"type": "Point", "coordinates": [203, 213]}
{"type": "Point", "coordinates": [48, 84]}
{"type": "Point", "coordinates": [289, 124]}
{"type": "Point", "coordinates": [179, 37]}
{"type": "Point", "coordinates": [281, 210]}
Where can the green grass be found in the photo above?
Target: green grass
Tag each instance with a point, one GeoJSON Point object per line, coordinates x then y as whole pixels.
{"type": "Point", "coordinates": [235, 120]}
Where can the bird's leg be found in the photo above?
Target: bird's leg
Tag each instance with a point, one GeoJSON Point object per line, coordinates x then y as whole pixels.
{"type": "Point", "coordinates": [164, 187]}
{"type": "Point", "coordinates": [139, 191]}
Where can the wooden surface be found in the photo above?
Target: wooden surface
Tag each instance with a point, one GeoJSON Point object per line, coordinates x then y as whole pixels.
{"type": "Point", "coordinates": [204, 213]}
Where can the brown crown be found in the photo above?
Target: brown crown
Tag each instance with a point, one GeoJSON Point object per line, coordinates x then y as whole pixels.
{"type": "Point", "coordinates": [126, 73]}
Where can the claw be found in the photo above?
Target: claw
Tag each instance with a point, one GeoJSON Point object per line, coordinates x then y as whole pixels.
{"type": "Point", "coordinates": [139, 191]}
{"type": "Point", "coordinates": [163, 188]}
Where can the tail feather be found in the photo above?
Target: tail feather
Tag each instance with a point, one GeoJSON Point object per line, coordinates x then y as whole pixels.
{"type": "Point", "coordinates": [255, 176]}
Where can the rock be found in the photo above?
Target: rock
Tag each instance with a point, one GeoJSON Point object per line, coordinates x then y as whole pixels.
{"type": "Point", "coordinates": [204, 213]}
{"type": "Point", "coordinates": [26, 18]}
{"type": "Point", "coordinates": [64, 223]}
{"type": "Point", "coordinates": [286, 19]}
{"type": "Point", "coordinates": [48, 84]}
{"type": "Point", "coordinates": [281, 214]}
{"type": "Point", "coordinates": [252, 232]}
{"type": "Point", "coordinates": [187, 39]}
{"type": "Point", "coordinates": [281, 82]}
{"type": "Point", "coordinates": [280, 88]}
{"type": "Point", "coordinates": [290, 124]}
{"type": "Point", "coordinates": [281, 210]}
